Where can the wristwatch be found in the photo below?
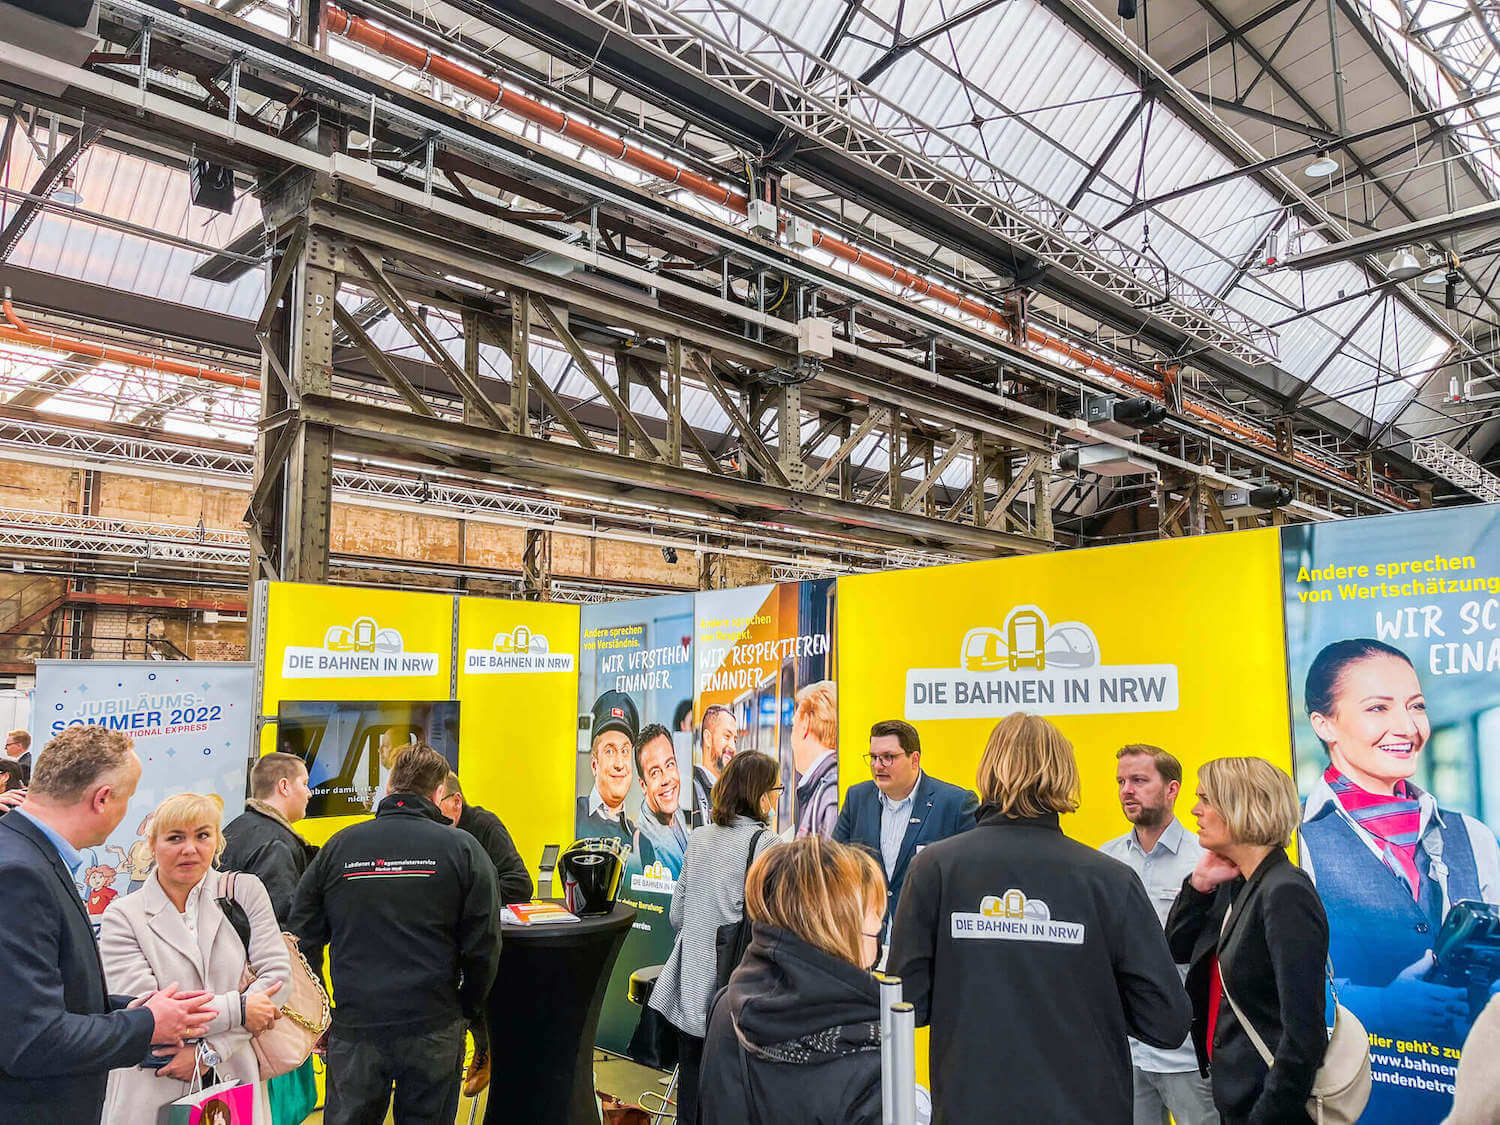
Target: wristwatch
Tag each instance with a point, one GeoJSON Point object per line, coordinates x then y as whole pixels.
{"type": "Point", "coordinates": [208, 1056]}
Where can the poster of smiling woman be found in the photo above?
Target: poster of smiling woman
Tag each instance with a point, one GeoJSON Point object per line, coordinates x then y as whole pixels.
{"type": "Point", "coordinates": [1393, 657]}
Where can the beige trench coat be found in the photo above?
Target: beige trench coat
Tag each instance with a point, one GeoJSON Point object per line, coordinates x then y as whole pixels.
{"type": "Point", "coordinates": [145, 944]}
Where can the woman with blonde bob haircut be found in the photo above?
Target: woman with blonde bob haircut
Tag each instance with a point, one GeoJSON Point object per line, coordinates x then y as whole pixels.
{"type": "Point", "coordinates": [1250, 926]}
{"type": "Point", "coordinates": [1028, 769]}
{"type": "Point", "coordinates": [174, 931]}
{"type": "Point", "coordinates": [1015, 942]}
{"type": "Point", "coordinates": [796, 1034]}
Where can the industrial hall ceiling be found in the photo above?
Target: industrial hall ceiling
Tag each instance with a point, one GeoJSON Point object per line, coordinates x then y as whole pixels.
{"type": "Point", "coordinates": [832, 286]}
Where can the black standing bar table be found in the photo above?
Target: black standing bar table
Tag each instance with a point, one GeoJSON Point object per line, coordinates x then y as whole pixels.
{"type": "Point", "coordinates": [544, 1013]}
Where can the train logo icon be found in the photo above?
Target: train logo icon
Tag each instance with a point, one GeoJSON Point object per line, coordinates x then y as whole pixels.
{"type": "Point", "coordinates": [654, 879]}
{"type": "Point", "coordinates": [521, 649]}
{"type": "Point", "coordinates": [1014, 917]}
{"type": "Point", "coordinates": [362, 636]}
{"type": "Point", "coordinates": [520, 639]}
{"type": "Point", "coordinates": [1027, 640]}
{"type": "Point", "coordinates": [361, 648]}
{"type": "Point", "coordinates": [1014, 904]}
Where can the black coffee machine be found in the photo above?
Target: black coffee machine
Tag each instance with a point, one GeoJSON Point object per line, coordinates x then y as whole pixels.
{"type": "Point", "coordinates": [591, 873]}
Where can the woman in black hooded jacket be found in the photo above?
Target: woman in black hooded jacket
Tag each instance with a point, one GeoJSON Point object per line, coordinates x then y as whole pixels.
{"type": "Point", "coordinates": [795, 1036]}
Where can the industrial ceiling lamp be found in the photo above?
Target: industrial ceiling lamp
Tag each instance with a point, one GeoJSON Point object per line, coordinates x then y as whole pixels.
{"type": "Point", "coordinates": [1404, 264]}
{"type": "Point", "coordinates": [66, 193]}
{"type": "Point", "coordinates": [1322, 167]}
{"type": "Point", "coordinates": [1437, 269]}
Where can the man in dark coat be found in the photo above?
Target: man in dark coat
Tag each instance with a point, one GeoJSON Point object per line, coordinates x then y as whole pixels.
{"type": "Point", "coordinates": [63, 1032]}
{"type": "Point", "coordinates": [510, 869]}
{"type": "Point", "coordinates": [514, 882]}
{"type": "Point", "coordinates": [408, 906]}
{"type": "Point", "coordinates": [18, 749]}
{"type": "Point", "coordinates": [261, 840]}
{"type": "Point", "coordinates": [902, 808]}
{"type": "Point", "coordinates": [1016, 943]}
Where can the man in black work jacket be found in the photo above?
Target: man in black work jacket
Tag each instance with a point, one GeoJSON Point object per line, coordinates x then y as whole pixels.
{"type": "Point", "coordinates": [1032, 956]}
{"type": "Point", "coordinates": [408, 903]}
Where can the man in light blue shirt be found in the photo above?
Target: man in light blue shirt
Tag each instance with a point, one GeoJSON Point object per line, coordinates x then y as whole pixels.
{"type": "Point", "coordinates": [1162, 853]}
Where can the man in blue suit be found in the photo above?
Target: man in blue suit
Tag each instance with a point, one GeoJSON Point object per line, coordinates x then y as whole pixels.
{"type": "Point", "coordinates": [63, 1031]}
{"type": "Point", "coordinates": [902, 809]}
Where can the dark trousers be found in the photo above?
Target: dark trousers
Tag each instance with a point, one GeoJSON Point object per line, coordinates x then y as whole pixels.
{"type": "Point", "coordinates": [423, 1068]}
{"type": "Point", "coordinates": [689, 1063]}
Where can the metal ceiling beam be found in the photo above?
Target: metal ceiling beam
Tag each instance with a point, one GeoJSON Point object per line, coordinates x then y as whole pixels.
{"type": "Point", "coordinates": [1235, 35]}
{"type": "Point", "coordinates": [1108, 151]}
{"type": "Point", "coordinates": [1299, 153]}
{"type": "Point", "coordinates": [1317, 132]}
{"type": "Point", "coordinates": [60, 166]}
{"type": "Point", "coordinates": [362, 426]}
{"type": "Point", "coordinates": [1422, 230]}
{"type": "Point", "coordinates": [56, 378]}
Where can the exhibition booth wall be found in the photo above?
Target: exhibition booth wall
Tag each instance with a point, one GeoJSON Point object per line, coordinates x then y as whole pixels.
{"type": "Point", "coordinates": [1202, 646]}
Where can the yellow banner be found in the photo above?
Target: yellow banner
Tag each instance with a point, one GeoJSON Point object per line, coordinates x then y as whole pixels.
{"type": "Point", "coordinates": [348, 644]}
{"type": "Point", "coordinates": [518, 695]}
{"type": "Point", "coordinates": [1176, 643]}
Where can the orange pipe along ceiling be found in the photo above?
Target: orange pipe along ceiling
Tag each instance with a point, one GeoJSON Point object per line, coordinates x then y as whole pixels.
{"type": "Point", "coordinates": [17, 331]}
{"type": "Point", "coordinates": [419, 58]}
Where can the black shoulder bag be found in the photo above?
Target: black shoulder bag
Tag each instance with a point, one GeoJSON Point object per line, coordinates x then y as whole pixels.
{"type": "Point", "coordinates": [733, 938]}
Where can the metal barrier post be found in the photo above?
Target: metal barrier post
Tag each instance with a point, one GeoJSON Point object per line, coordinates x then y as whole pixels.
{"type": "Point", "coordinates": [890, 994]}
{"type": "Point", "coordinates": [904, 1064]}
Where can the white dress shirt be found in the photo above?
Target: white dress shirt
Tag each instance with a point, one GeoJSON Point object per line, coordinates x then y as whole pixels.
{"type": "Point", "coordinates": [1161, 871]}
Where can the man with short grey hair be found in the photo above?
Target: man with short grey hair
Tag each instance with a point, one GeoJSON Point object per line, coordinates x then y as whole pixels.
{"type": "Point", "coordinates": [1162, 853]}
{"type": "Point", "coordinates": [63, 1032]}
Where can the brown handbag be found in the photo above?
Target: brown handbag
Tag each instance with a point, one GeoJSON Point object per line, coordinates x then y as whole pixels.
{"type": "Point", "coordinates": [287, 1043]}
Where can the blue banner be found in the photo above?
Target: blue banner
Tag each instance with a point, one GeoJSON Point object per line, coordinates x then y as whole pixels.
{"type": "Point", "coordinates": [191, 723]}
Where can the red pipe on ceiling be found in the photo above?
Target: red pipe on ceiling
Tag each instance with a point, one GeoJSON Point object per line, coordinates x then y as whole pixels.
{"type": "Point", "coordinates": [18, 331]}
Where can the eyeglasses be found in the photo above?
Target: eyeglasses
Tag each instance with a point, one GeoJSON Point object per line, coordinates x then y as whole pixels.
{"type": "Point", "coordinates": [886, 760]}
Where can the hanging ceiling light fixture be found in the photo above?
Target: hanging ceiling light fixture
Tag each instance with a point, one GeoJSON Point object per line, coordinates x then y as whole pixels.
{"type": "Point", "coordinates": [1437, 269]}
{"type": "Point", "coordinates": [1323, 166]}
{"type": "Point", "coordinates": [65, 192]}
{"type": "Point", "coordinates": [1404, 264]}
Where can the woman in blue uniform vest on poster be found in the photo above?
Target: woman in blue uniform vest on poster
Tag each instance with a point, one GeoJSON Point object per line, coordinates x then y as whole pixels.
{"type": "Point", "coordinates": [1389, 864]}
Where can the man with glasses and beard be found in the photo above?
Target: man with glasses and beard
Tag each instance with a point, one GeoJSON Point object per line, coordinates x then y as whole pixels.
{"type": "Point", "coordinates": [902, 808]}
{"type": "Point", "coordinates": [1162, 853]}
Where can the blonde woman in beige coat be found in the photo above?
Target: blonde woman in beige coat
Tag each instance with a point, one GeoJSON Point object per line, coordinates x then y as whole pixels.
{"type": "Point", "coordinates": [173, 931]}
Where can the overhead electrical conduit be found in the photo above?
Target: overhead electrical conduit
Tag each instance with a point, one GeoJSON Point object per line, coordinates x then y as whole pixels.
{"type": "Point", "coordinates": [17, 331]}
{"type": "Point", "coordinates": [420, 59]}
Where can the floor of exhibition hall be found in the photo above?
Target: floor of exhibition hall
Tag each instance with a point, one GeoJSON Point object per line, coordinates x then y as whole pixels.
{"type": "Point", "coordinates": [625, 1079]}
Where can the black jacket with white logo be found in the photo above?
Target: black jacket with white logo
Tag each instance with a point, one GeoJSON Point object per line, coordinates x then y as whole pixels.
{"type": "Point", "coordinates": [408, 904]}
{"type": "Point", "coordinates": [1033, 957]}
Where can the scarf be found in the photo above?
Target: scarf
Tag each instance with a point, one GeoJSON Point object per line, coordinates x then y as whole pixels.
{"type": "Point", "coordinates": [1393, 820]}
{"type": "Point", "coordinates": [266, 810]}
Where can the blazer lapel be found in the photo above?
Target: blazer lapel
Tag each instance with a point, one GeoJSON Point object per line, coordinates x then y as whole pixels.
{"type": "Point", "coordinates": [23, 827]}
{"type": "Point", "coordinates": [167, 924]}
{"type": "Point", "coordinates": [1246, 896]}
{"type": "Point", "coordinates": [921, 809]}
{"type": "Point", "coordinates": [33, 834]}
